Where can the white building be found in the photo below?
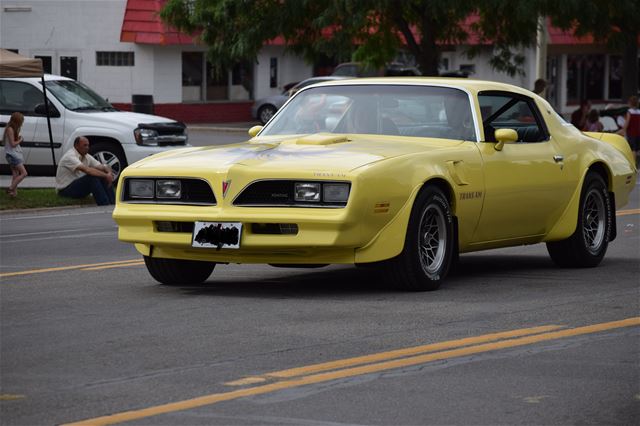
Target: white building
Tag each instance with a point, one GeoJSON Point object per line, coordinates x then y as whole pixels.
{"type": "Point", "coordinates": [120, 48]}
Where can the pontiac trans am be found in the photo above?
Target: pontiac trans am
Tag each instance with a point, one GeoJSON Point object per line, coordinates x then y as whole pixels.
{"type": "Point", "coordinates": [404, 174]}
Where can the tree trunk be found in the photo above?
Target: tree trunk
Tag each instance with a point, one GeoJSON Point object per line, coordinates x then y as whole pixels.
{"type": "Point", "coordinates": [430, 55]}
{"type": "Point", "coordinates": [630, 66]}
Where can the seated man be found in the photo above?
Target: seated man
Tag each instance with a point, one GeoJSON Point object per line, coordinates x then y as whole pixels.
{"type": "Point", "coordinates": [79, 174]}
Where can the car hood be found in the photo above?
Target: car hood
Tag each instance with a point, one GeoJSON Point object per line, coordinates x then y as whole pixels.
{"type": "Point", "coordinates": [320, 152]}
{"type": "Point", "coordinates": [128, 119]}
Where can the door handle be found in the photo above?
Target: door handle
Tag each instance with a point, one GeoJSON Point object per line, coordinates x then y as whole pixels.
{"type": "Point", "coordinates": [558, 158]}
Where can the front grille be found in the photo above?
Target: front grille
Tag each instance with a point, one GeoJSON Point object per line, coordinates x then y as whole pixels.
{"type": "Point", "coordinates": [167, 226]}
{"type": "Point", "coordinates": [274, 228]}
{"type": "Point", "coordinates": [193, 192]}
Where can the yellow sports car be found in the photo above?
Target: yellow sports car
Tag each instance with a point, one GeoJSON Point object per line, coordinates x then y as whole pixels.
{"type": "Point", "coordinates": [402, 173]}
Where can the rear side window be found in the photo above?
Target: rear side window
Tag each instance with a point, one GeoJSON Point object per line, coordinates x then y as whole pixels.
{"type": "Point", "coordinates": [16, 96]}
{"type": "Point", "coordinates": [509, 111]}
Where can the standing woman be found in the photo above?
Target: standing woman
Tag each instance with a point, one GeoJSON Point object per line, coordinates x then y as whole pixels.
{"type": "Point", "coordinates": [13, 151]}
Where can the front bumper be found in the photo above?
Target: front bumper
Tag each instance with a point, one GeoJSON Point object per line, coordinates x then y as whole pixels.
{"type": "Point", "coordinates": [324, 235]}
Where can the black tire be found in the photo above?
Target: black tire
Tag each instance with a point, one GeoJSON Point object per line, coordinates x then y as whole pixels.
{"type": "Point", "coordinates": [266, 112]}
{"type": "Point", "coordinates": [177, 271]}
{"type": "Point", "coordinates": [588, 244]}
{"type": "Point", "coordinates": [110, 154]}
{"type": "Point", "coordinates": [429, 245]}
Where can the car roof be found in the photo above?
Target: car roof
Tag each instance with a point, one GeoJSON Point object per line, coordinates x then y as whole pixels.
{"type": "Point", "coordinates": [470, 85]}
{"type": "Point", "coordinates": [47, 77]}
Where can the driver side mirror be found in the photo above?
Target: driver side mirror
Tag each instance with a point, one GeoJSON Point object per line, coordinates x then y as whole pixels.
{"type": "Point", "coordinates": [41, 109]}
{"type": "Point", "coordinates": [254, 131]}
{"type": "Point", "coordinates": [504, 136]}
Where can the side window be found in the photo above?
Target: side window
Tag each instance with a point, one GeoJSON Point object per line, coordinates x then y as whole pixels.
{"type": "Point", "coordinates": [505, 111]}
{"type": "Point", "coordinates": [21, 97]}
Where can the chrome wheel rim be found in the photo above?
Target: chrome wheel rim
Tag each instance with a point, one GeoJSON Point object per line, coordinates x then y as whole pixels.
{"type": "Point", "coordinates": [433, 239]}
{"type": "Point", "coordinates": [593, 220]}
{"type": "Point", "coordinates": [109, 159]}
{"type": "Point", "coordinates": [266, 114]}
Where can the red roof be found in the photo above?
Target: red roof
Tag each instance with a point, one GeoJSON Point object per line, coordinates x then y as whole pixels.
{"type": "Point", "coordinates": [142, 24]}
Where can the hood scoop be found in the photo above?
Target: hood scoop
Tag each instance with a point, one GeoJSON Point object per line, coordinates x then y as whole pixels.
{"type": "Point", "coordinates": [321, 139]}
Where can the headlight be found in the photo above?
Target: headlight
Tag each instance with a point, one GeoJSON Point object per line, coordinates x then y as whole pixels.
{"type": "Point", "coordinates": [168, 188]}
{"type": "Point", "coordinates": [145, 136]}
{"type": "Point", "coordinates": [307, 192]}
{"type": "Point", "coordinates": [335, 192]}
{"type": "Point", "coordinates": [141, 188]}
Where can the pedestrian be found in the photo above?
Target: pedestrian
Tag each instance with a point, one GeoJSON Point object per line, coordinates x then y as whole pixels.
{"type": "Point", "coordinates": [579, 116]}
{"type": "Point", "coordinates": [593, 122]}
{"type": "Point", "coordinates": [631, 128]}
{"type": "Point", "coordinates": [11, 140]}
{"type": "Point", "coordinates": [79, 174]}
{"type": "Point", "coordinates": [540, 86]}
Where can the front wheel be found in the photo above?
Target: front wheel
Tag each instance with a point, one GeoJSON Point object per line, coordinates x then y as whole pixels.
{"type": "Point", "coordinates": [429, 245]}
{"type": "Point", "coordinates": [265, 113]}
{"type": "Point", "coordinates": [109, 154]}
{"type": "Point", "coordinates": [588, 244]}
{"type": "Point", "coordinates": [178, 271]}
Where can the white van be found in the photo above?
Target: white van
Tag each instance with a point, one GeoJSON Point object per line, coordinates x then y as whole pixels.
{"type": "Point", "coordinates": [118, 138]}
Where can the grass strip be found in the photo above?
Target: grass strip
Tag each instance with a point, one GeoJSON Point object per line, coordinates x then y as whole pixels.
{"type": "Point", "coordinates": [32, 198]}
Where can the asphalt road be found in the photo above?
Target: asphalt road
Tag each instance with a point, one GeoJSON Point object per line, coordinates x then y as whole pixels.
{"type": "Point", "coordinates": [86, 333]}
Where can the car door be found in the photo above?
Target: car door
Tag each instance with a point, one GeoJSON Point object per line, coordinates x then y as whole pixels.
{"type": "Point", "coordinates": [527, 187]}
{"type": "Point", "coordinates": [13, 95]}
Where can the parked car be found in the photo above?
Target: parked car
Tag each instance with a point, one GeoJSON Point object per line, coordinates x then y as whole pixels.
{"type": "Point", "coordinates": [265, 108]}
{"type": "Point", "coordinates": [394, 69]}
{"type": "Point", "coordinates": [118, 138]}
{"type": "Point", "coordinates": [403, 174]}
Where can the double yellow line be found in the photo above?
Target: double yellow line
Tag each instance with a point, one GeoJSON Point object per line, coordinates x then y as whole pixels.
{"type": "Point", "coordinates": [87, 267]}
{"type": "Point", "coordinates": [374, 363]}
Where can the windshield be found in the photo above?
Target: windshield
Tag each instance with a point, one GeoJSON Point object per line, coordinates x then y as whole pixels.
{"type": "Point", "coordinates": [402, 110]}
{"type": "Point", "coordinates": [77, 97]}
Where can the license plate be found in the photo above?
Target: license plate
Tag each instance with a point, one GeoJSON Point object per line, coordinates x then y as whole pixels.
{"type": "Point", "coordinates": [217, 235]}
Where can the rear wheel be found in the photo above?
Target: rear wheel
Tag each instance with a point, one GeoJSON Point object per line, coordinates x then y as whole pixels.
{"type": "Point", "coordinates": [178, 271]}
{"type": "Point", "coordinates": [429, 245]}
{"type": "Point", "coordinates": [111, 155]}
{"type": "Point", "coordinates": [588, 244]}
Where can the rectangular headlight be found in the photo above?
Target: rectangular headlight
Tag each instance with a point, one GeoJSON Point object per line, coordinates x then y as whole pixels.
{"type": "Point", "coordinates": [141, 188]}
{"type": "Point", "coordinates": [168, 188]}
{"type": "Point", "coordinates": [307, 192]}
{"type": "Point", "coordinates": [335, 192]}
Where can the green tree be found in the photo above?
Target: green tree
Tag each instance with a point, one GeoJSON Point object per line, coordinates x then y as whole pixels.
{"type": "Point", "coordinates": [369, 31]}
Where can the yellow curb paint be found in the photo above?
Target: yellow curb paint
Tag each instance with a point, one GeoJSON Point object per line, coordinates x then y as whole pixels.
{"type": "Point", "coordinates": [64, 268]}
{"type": "Point", "coordinates": [122, 265]}
{"type": "Point", "coordinates": [367, 359]}
{"type": "Point", "coordinates": [350, 372]}
{"type": "Point", "coordinates": [628, 212]}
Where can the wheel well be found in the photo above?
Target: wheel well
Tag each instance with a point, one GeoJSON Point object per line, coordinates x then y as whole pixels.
{"type": "Point", "coordinates": [602, 170]}
{"type": "Point", "coordinates": [443, 186]}
{"type": "Point", "coordinates": [108, 140]}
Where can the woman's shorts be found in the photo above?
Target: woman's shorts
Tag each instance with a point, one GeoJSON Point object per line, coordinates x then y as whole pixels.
{"type": "Point", "coordinates": [14, 159]}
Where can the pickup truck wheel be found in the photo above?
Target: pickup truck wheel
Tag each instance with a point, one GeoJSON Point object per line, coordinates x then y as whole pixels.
{"type": "Point", "coordinates": [177, 271]}
{"type": "Point", "coordinates": [429, 245]}
{"type": "Point", "coordinates": [110, 154]}
{"type": "Point", "coordinates": [588, 244]}
{"type": "Point", "coordinates": [265, 113]}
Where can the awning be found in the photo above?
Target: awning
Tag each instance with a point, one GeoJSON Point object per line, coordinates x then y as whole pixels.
{"type": "Point", "coordinates": [14, 65]}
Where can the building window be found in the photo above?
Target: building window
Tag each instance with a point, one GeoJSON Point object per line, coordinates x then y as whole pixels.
{"type": "Point", "coordinates": [47, 64]}
{"type": "Point", "coordinates": [115, 59]}
{"type": "Point", "coordinates": [273, 72]}
{"type": "Point", "coordinates": [585, 77]}
{"type": "Point", "coordinates": [615, 77]}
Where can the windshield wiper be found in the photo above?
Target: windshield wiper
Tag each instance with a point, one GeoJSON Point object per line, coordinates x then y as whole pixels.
{"type": "Point", "coordinates": [108, 109]}
{"type": "Point", "coordinates": [86, 108]}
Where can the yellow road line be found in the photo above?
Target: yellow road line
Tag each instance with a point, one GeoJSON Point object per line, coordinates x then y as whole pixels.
{"type": "Point", "coordinates": [65, 268]}
{"type": "Point", "coordinates": [628, 212]}
{"type": "Point", "coordinates": [350, 372]}
{"type": "Point", "coordinates": [123, 265]}
{"type": "Point", "coordinates": [366, 359]}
